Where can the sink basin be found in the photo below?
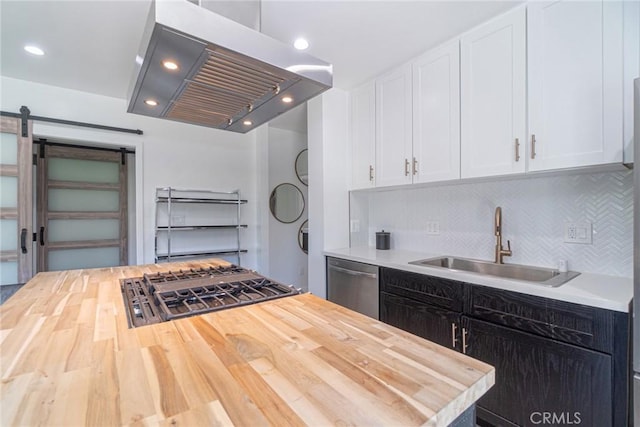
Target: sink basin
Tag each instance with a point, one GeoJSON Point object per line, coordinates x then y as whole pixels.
{"type": "Point", "coordinates": [538, 275]}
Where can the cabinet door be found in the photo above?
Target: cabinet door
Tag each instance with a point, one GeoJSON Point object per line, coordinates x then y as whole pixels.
{"type": "Point", "coordinates": [393, 128]}
{"type": "Point", "coordinates": [436, 114]}
{"type": "Point", "coordinates": [493, 69]}
{"type": "Point", "coordinates": [426, 321]}
{"type": "Point", "coordinates": [575, 83]}
{"type": "Point", "coordinates": [363, 132]}
{"type": "Point", "coordinates": [16, 203]}
{"type": "Point", "coordinates": [536, 375]}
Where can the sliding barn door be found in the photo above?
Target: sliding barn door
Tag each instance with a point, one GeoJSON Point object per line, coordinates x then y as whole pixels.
{"type": "Point", "coordinates": [82, 208]}
{"type": "Point", "coordinates": [16, 204]}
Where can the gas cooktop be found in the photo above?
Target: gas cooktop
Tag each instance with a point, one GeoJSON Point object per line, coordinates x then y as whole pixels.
{"type": "Point", "coordinates": [160, 297]}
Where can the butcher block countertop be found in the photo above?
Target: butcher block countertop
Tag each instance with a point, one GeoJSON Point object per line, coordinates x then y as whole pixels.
{"type": "Point", "coordinates": [67, 357]}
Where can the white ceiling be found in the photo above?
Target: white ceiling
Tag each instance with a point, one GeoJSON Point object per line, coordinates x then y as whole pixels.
{"type": "Point", "coordinates": [91, 44]}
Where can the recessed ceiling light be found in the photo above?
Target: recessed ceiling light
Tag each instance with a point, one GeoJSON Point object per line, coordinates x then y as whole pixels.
{"type": "Point", "coordinates": [287, 99]}
{"type": "Point", "coordinates": [151, 102]}
{"type": "Point", "coordinates": [301, 43]}
{"type": "Point", "coordinates": [170, 65]}
{"type": "Point", "coordinates": [247, 123]}
{"type": "Point", "coordinates": [34, 50]}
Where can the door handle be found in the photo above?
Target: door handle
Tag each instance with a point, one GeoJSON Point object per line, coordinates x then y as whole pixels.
{"type": "Point", "coordinates": [370, 173]}
{"type": "Point", "coordinates": [464, 340]}
{"type": "Point", "coordinates": [415, 166]}
{"type": "Point", "coordinates": [406, 167]}
{"type": "Point", "coordinates": [454, 340]}
{"type": "Point", "coordinates": [517, 150]}
{"type": "Point", "coordinates": [41, 236]}
{"type": "Point", "coordinates": [23, 240]}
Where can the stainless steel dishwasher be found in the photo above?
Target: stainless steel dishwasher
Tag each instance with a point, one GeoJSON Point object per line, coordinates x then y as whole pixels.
{"type": "Point", "coordinates": [353, 285]}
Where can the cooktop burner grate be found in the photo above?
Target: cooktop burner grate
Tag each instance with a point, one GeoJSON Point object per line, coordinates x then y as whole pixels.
{"type": "Point", "coordinates": [159, 297]}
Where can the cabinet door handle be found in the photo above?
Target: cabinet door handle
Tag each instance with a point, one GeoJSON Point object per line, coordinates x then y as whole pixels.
{"type": "Point", "coordinates": [533, 146]}
{"type": "Point", "coordinates": [415, 166]}
{"type": "Point", "coordinates": [454, 340]}
{"type": "Point", "coordinates": [406, 167]}
{"type": "Point", "coordinates": [517, 150]}
{"type": "Point", "coordinates": [23, 240]}
{"type": "Point", "coordinates": [370, 173]}
{"type": "Point", "coordinates": [41, 236]}
{"type": "Point", "coordinates": [464, 340]}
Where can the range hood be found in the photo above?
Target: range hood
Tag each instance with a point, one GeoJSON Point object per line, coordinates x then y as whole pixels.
{"type": "Point", "coordinates": [228, 76]}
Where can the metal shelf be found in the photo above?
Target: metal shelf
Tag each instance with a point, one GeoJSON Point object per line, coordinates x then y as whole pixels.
{"type": "Point", "coordinates": [198, 227]}
{"type": "Point", "coordinates": [164, 257]}
{"type": "Point", "coordinates": [200, 200]}
{"type": "Point", "coordinates": [168, 196]}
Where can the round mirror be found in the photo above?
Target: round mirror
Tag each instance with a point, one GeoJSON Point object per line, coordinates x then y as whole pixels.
{"type": "Point", "coordinates": [302, 167]}
{"type": "Point", "coordinates": [303, 236]}
{"type": "Point", "coordinates": [286, 203]}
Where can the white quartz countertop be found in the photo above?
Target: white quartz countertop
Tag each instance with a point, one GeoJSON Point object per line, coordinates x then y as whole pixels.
{"type": "Point", "coordinates": [595, 290]}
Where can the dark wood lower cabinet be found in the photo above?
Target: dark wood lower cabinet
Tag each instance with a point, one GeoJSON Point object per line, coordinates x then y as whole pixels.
{"type": "Point", "coordinates": [557, 363]}
{"type": "Point", "coordinates": [430, 322]}
{"type": "Point", "coordinates": [540, 379]}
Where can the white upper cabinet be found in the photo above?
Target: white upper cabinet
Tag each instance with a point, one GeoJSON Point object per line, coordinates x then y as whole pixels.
{"type": "Point", "coordinates": [493, 94]}
{"type": "Point", "coordinates": [363, 133]}
{"type": "Point", "coordinates": [393, 128]}
{"type": "Point", "coordinates": [545, 86]}
{"type": "Point", "coordinates": [436, 114]}
{"type": "Point", "coordinates": [575, 83]}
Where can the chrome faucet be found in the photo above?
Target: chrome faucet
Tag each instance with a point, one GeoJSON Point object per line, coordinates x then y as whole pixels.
{"type": "Point", "coordinates": [500, 251]}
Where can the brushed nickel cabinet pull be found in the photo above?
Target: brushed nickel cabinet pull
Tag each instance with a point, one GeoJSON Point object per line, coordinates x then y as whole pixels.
{"type": "Point", "coordinates": [415, 166]}
{"type": "Point", "coordinates": [533, 146]}
{"type": "Point", "coordinates": [517, 150]}
{"type": "Point", "coordinates": [464, 341]}
{"type": "Point", "coordinates": [454, 340]}
{"type": "Point", "coordinates": [370, 173]}
{"type": "Point", "coordinates": [406, 167]}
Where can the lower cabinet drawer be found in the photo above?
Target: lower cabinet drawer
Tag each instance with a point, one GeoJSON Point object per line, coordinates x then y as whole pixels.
{"type": "Point", "coordinates": [571, 323]}
{"type": "Point", "coordinates": [436, 291]}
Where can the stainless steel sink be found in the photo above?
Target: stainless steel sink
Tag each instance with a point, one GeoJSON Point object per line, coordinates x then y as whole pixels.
{"type": "Point", "coordinates": [538, 275]}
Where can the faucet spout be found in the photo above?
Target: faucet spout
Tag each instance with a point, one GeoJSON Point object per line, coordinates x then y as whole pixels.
{"type": "Point", "coordinates": [500, 252]}
{"type": "Point", "coordinates": [498, 222]}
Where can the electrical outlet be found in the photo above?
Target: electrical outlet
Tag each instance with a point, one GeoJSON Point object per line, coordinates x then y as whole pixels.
{"type": "Point", "coordinates": [433, 228]}
{"type": "Point", "coordinates": [355, 225]}
{"type": "Point", "coordinates": [178, 220]}
{"type": "Point", "coordinates": [578, 232]}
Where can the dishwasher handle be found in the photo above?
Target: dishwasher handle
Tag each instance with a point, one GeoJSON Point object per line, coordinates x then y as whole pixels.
{"type": "Point", "coordinates": [353, 272]}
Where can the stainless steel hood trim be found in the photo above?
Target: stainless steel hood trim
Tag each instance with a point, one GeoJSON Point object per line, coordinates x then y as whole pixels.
{"type": "Point", "coordinates": [192, 36]}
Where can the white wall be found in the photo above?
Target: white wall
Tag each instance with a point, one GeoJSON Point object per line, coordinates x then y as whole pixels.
{"type": "Point", "coordinates": [287, 262]}
{"type": "Point", "coordinates": [329, 174]}
{"type": "Point", "coordinates": [168, 154]}
{"type": "Point", "coordinates": [534, 212]}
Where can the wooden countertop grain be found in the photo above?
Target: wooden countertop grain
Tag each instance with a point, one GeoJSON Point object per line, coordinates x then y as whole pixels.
{"type": "Point", "coordinates": [67, 357]}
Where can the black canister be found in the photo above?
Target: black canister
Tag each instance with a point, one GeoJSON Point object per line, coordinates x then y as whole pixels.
{"type": "Point", "coordinates": [383, 239]}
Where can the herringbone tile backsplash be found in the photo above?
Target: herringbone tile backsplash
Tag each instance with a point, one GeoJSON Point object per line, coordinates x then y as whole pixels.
{"type": "Point", "coordinates": [534, 213]}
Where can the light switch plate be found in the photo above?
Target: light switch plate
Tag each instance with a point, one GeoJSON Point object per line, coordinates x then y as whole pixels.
{"type": "Point", "coordinates": [578, 232]}
{"type": "Point", "coordinates": [355, 225]}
